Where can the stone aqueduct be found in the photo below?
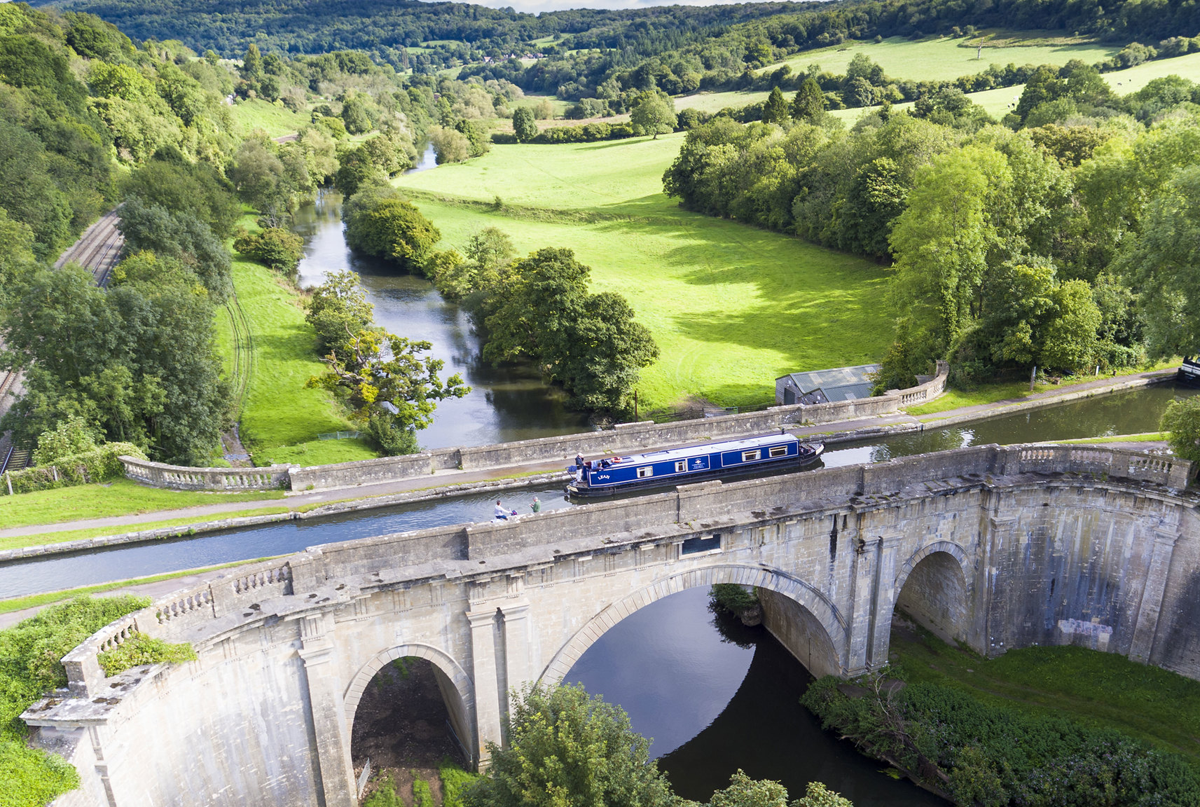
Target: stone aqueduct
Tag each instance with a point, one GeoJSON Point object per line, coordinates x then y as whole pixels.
{"type": "Point", "coordinates": [996, 547]}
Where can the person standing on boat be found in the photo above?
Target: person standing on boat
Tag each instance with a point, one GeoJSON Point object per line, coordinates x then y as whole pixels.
{"type": "Point", "coordinates": [501, 513]}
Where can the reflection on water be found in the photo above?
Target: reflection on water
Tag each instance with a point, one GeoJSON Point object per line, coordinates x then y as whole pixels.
{"type": "Point", "coordinates": [505, 404]}
{"type": "Point", "coordinates": [716, 696]}
{"type": "Point", "coordinates": [1133, 412]}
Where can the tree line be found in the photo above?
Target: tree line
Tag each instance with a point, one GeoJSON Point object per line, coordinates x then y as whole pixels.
{"type": "Point", "coordinates": [1058, 240]}
{"type": "Point", "coordinates": [90, 119]}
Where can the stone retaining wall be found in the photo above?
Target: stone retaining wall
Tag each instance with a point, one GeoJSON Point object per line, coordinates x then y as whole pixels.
{"type": "Point", "coordinates": [626, 437]}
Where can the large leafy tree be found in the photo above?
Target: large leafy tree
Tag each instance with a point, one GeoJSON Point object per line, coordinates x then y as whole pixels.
{"type": "Point", "coordinates": [380, 223]}
{"type": "Point", "coordinates": [566, 748]}
{"type": "Point", "coordinates": [654, 114]}
{"type": "Point", "coordinates": [775, 108]}
{"type": "Point", "coordinates": [524, 126]}
{"type": "Point", "coordinates": [1164, 262]}
{"type": "Point", "coordinates": [540, 310]}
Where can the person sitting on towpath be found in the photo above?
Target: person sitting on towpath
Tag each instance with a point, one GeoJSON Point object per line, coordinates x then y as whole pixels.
{"type": "Point", "coordinates": [501, 513]}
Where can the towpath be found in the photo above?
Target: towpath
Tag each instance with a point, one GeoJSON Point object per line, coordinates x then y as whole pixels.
{"type": "Point", "coordinates": [453, 477]}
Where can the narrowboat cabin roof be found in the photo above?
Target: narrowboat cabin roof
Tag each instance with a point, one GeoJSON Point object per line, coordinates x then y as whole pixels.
{"type": "Point", "coordinates": [705, 448]}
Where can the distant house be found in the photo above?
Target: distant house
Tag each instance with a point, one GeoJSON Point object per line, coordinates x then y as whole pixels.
{"type": "Point", "coordinates": [823, 386]}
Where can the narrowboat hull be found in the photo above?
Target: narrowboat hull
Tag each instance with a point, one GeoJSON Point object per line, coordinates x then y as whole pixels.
{"type": "Point", "coordinates": [797, 461]}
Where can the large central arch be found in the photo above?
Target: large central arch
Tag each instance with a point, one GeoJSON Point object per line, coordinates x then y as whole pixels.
{"type": "Point", "coordinates": [799, 592]}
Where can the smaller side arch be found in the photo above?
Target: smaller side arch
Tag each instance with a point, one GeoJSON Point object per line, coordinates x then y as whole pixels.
{"type": "Point", "coordinates": [462, 712]}
{"type": "Point", "coordinates": [823, 612]}
{"type": "Point", "coordinates": [941, 601]}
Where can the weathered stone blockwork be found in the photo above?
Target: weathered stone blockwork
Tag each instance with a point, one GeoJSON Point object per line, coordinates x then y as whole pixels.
{"type": "Point", "coordinates": [997, 547]}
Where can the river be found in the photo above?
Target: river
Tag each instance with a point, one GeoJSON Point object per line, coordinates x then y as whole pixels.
{"type": "Point", "coordinates": [505, 404]}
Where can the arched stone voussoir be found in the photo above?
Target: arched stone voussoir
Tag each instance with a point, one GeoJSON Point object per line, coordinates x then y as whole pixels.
{"type": "Point", "coordinates": [949, 547]}
{"type": "Point", "coordinates": [793, 588]}
{"type": "Point", "coordinates": [450, 668]}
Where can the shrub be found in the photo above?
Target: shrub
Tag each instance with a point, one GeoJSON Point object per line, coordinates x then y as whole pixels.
{"type": "Point", "coordinates": [732, 598]}
{"type": "Point", "coordinates": [141, 649]}
{"type": "Point", "coordinates": [454, 781]}
{"type": "Point", "coordinates": [31, 651]}
{"type": "Point", "coordinates": [422, 795]}
{"type": "Point", "coordinates": [98, 465]}
{"type": "Point", "coordinates": [275, 247]}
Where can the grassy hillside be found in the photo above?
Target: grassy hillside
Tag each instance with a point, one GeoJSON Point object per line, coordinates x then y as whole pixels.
{"type": "Point", "coordinates": [941, 58]}
{"type": "Point", "coordinates": [731, 307]}
{"type": "Point", "coordinates": [997, 102]}
{"type": "Point", "coordinates": [275, 120]}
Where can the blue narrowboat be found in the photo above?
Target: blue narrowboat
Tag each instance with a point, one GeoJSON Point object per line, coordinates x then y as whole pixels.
{"type": "Point", "coordinates": [604, 477]}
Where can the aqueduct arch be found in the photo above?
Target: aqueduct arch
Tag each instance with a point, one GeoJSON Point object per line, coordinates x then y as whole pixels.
{"type": "Point", "coordinates": [975, 539]}
{"type": "Point", "coordinates": [933, 587]}
{"type": "Point", "coordinates": [458, 692]}
{"type": "Point", "coordinates": [823, 617]}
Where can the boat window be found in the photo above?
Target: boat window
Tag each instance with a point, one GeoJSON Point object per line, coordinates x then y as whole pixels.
{"type": "Point", "coordinates": [778, 451]}
{"type": "Point", "coordinates": [681, 466]}
{"type": "Point", "coordinates": [645, 472]}
{"type": "Point", "coordinates": [750, 455]}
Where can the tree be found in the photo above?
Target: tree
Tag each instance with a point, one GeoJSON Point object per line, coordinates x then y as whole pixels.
{"type": "Point", "coordinates": [809, 103]}
{"type": "Point", "coordinates": [566, 748]}
{"type": "Point", "coordinates": [449, 145]}
{"type": "Point", "coordinates": [261, 180]}
{"type": "Point", "coordinates": [392, 388]}
{"type": "Point", "coordinates": [1163, 261]}
{"type": "Point", "coordinates": [1181, 422]}
{"type": "Point", "coordinates": [775, 109]}
{"type": "Point", "coordinates": [337, 310]}
{"type": "Point", "coordinates": [252, 64]}
{"type": "Point", "coordinates": [524, 126]}
{"type": "Point", "coordinates": [153, 228]}
{"type": "Point", "coordinates": [274, 247]}
{"type": "Point", "coordinates": [654, 114]}
{"type": "Point", "coordinates": [70, 436]}
{"type": "Point", "coordinates": [395, 229]}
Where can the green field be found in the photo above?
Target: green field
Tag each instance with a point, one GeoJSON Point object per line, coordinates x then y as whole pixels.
{"type": "Point", "coordinates": [938, 59]}
{"type": "Point", "coordinates": [1103, 690]}
{"type": "Point", "coordinates": [282, 417]}
{"type": "Point", "coordinates": [560, 106]}
{"type": "Point", "coordinates": [730, 306]}
{"type": "Point", "coordinates": [274, 119]}
{"type": "Point", "coordinates": [119, 498]}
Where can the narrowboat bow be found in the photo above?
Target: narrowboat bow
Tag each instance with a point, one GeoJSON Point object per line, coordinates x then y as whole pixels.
{"type": "Point", "coordinates": [610, 475]}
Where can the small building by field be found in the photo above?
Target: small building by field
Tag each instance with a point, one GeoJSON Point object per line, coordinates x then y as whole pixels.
{"type": "Point", "coordinates": [823, 386]}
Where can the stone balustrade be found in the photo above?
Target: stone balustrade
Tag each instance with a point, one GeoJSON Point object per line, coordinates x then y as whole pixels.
{"type": "Point", "coordinates": [160, 475]}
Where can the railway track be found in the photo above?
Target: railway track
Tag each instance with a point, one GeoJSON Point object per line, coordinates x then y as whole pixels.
{"type": "Point", "coordinates": [97, 249]}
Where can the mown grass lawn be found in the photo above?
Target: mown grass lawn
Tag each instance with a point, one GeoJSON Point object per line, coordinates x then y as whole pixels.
{"type": "Point", "coordinates": [730, 306]}
{"type": "Point", "coordinates": [1104, 690]}
{"type": "Point", "coordinates": [119, 498]}
{"type": "Point", "coordinates": [282, 417]}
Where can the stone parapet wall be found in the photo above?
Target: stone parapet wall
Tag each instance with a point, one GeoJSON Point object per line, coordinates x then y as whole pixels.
{"type": "Point", "coordinates": [177, 477]}
{"type": "Point", "coordinates": [625, 438]}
